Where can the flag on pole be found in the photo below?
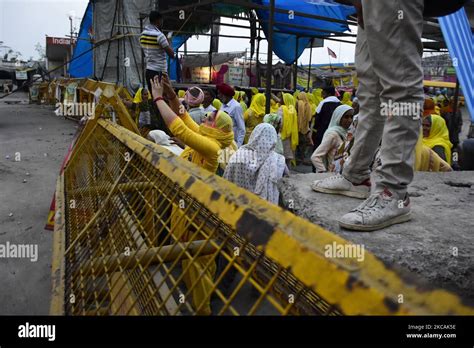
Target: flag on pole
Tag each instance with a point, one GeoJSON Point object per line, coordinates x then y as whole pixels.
{"type": "Point", "coordinates": [331, 53]}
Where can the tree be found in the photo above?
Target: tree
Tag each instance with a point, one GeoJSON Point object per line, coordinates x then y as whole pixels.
{"type": "Point", "coordinates": [41, 51]}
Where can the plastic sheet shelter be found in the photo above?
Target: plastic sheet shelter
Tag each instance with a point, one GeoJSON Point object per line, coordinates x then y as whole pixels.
{"type": "Point", "coordinates": [82, 63]}
{"type": "Point", "coordinates": [460, 41]}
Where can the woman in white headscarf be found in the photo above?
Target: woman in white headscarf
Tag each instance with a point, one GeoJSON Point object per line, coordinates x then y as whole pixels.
{"type": "Point", "coordinates": [333, 140]}
{"type": "Point", "coordinates": [256, 166]}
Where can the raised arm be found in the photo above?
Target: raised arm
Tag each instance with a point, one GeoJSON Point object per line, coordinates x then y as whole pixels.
{"type": "Point", "coordinates": [178, 126]}
{"type": "Point", "coordinates": [170, 94]}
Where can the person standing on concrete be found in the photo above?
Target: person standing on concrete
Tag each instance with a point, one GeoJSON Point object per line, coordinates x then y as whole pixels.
{"type": "Point", "coordinates": [225, 93]}
{"type": "Point", "coordinates": [388, 64]}
{"type": "Point", "coordinates": [155, 47]}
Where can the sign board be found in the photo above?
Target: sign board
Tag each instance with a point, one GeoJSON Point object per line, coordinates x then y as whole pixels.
{"type": "Point", "coordinates": [21, 75]}
{"type": "Point", "coordinates": [200, 75]}
{"type": "Point", "coordinates": [237, 76]}
{"type": "Point", "coordinates": [59, 41]}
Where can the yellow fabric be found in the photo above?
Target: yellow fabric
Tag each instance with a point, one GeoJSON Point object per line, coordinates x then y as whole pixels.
{"type": "Point", "coordinates": [295, 95]}
{"type": "Point", "coordinates": [426, 160]}
{"type": "Point", "coordinates": [318, 96]}
{"type": "Point", "coordinates": [201, 293]}
{"type": "Point", "coordinates": [304, 113]}
{"type": "Point", "coordinates": [203, 143]}
{"type": "Point", "coordinates": [290, 120]}
{"type": "Point", "coordinates": [258, 104]}
{"type": "Point", "coordinates": [437, 110]}
{"type": "Point", "coordinates": [217, 104]}
{"type": "Point", "coordinates": [203, 148]}
{"type": "Point", "coordinates": [243, 106]}
{"type": "Point", "coordinates": [254, 115]}
{"type": "Point", "coordinates": [224, 124]}
{"type": "Point", "coordinates": [181, 93]}
{"type": "Point", "coordinates": [274, 106]}
{"type": "Point", "coordinates": [254, 91]}
{"type": "Point", "coordinates": [239, 96]}
{"type": "Point", "coordinates": [312, 102]}
{"type": "Point", "coordinates": [346, 99]}
{"type": "Point", "coordinates": [138, 96]}
{"type": "Point", "coordinates": [439, 136]}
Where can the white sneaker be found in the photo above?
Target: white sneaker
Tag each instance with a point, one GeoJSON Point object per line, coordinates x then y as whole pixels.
{"type": "Point", "coordinates": [339, 185]}
{"type": "Point", "coordinates": [380, 210]}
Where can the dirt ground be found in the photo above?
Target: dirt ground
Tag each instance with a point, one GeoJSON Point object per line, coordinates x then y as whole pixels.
{"type": "Point", "coordinates": [41, 139]}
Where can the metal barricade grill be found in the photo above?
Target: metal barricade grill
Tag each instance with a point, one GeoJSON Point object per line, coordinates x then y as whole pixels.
{"type": "Point", "coordinates": [139, 231]}
{"type": "Point", "coordinates": [126, 254]}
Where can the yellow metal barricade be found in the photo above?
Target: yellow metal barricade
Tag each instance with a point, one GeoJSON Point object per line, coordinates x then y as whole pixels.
{"type": "Point", "coordinates": [139, 231]}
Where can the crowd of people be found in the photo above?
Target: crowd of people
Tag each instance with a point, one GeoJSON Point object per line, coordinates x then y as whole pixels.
{"type": "Point", "coordinates": [228, 132]}
{"type": "Point", "coordinates": [316, 121]}
{"type": "Point", "coordinates": [316, 127]}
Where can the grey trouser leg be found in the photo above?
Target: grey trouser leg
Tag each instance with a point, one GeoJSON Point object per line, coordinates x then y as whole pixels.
{"type": "Point", "coordinates": [388, 63]}
{"type": "Point", "coordinates": [370, 125]}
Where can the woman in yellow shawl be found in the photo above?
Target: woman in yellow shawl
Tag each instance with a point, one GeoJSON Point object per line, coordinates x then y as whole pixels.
{"type": "Point", "coordinates": [239, 96]}
{"type": "Point", "coordinates": [346, 99]}
{"type": "Point", "coordinates": [304, 118]}
{"type": "Point", "coordinates": [426, 160]}
{"type": "Point", "coordinates": [304, 113]}
{"type": "Point", "coordinates": [204, 145]}
{"type": "Point", "coordinates": [289, 131]}
{"type": "Point", "coordinates": [436, 136]}
{"type": "Point", "coordinates": [312, 102]}
{"type": "Point", "coordinates": [274, 104]}
{"type": "Point", "coordinates": [318, 96]}
{"type": "Point", "coordinates": [254, 114]}
{"type": "Point", "coordinates": [254, 91]}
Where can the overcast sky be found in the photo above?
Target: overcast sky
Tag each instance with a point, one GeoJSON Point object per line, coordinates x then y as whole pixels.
{"type": "Point", "coordinates": [24, 23]}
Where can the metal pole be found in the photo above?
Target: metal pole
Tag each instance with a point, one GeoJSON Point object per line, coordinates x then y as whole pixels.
{"type": "Point", "coordinates": [210, 54]}
{"type": "Point", "coordinates": [268, 72]}
{"type": "Point", "coordinates": [144, 83]}
{"type": "Point", "coordinates": [295, 77]}
{"type": "Point", "coordinates": [243, 69]}
{"type": "Point", "coordinates": [93, 43]}
{"type": "Point", "coordinates": [72, 47]}
{"type": "Point", "coordinates": [258, 53]}
{"type": "Point", "coordinates": [456, 97]}
{"type": "Point", "coordinates": [309, 68]}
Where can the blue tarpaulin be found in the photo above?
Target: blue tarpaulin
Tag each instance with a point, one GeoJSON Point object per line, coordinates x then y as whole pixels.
{"type": "Point", "coordinates": [174, 66]}
{"type": "Point", "coordinates": [460, 41]}
{"type": "Point", "coordinates": [284, 45]}
{"type": "Point", "coordinates": [82, 64]}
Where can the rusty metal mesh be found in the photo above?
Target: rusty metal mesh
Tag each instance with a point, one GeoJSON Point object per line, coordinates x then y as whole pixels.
{"type": "Point", "coordinates": [139, 244]}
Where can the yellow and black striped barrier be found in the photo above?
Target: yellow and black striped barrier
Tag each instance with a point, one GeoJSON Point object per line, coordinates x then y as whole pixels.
{"type": "Point", "coordinates": [139, 231]}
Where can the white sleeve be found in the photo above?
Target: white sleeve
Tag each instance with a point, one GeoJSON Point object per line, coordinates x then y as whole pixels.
{"type": "Point", "coordinates": [162, 40]}
{"type": "Point", "coordinates": [317, 158]}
